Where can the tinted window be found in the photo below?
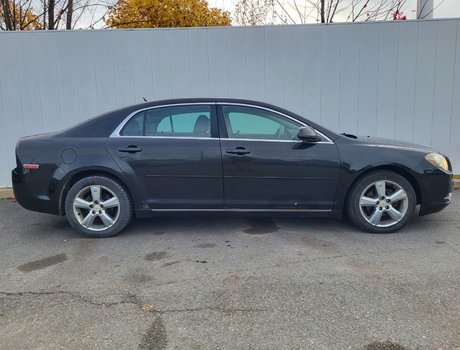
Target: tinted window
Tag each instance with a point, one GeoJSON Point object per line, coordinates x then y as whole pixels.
{"type": "Point", "coordinates": [254, 123]}
{"type": "Point", "coordinates": [180, 121]}
{"type": "Point", "coordinates": [135, 126]}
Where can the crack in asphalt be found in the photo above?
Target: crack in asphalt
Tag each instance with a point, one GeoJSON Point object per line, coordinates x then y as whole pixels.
{"type": "Point", "coordinates": [301, 261]}
{"type": "Point", "coordinates": [133, 300]}
{"type": "Point", "coordinates": [212, 308]}
{"type": "Point", "coordinates": [129, 300]}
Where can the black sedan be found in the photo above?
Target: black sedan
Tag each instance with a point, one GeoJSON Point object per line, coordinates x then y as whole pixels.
{"type": "Point", "coordinates": [223, 155]}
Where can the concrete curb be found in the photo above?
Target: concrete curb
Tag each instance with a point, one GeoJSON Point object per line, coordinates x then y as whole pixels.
{"type": "Point", "coordinates": [7, 193]}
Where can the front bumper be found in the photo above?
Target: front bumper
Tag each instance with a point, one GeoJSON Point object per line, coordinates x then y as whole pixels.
{"type": "Point", "coordinates": [437, 189]}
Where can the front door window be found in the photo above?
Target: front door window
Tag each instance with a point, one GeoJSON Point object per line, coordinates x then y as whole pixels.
{"type": "Point", "coordinates": [254, 123]}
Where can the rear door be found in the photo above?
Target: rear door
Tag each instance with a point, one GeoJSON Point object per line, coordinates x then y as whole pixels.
{"type": "Point", "coordinates": [266, 167]}
{"type": "Point", "coordinates": [173, 156]}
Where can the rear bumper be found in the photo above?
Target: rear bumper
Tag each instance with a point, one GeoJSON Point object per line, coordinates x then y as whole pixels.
{"type": "Point", "coordinates": [437, 188]}
{"type": "Point", "coordinates": [29, 200]}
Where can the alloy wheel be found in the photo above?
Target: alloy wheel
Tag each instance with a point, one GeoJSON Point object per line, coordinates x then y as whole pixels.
{"type": "Point", "coordinates": [383, 203]}
{"type": "Point", "coordinates": [96, 208]}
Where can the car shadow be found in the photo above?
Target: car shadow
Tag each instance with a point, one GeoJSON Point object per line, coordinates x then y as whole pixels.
{"type": "Point", "coordinates": [418, 227]}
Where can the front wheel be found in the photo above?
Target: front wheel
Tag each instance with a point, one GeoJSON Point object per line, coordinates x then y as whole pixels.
{"type": "Point", "coordinates": [97, 206]}
{"type": "Point", "coordinates": [381, 202]}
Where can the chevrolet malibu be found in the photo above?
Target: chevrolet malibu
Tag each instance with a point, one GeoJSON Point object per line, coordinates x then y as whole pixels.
{"type": "Point", "coordinates": [223, 155]}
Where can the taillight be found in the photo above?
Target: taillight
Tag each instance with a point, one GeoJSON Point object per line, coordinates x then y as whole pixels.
{"type": "Point", "coordinates": [31, 166]}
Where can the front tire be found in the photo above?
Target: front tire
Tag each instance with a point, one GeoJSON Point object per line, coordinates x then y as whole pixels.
{"type": "Point", "coordinates": [98, 207]}
{"type": "Point", "coordinates": [381, 202]}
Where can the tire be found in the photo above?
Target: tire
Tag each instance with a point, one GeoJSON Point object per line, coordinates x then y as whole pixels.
{"type": "Point", "coordinates": [98, 207]}
{"type": "Point", "coordinates": [381, 202]}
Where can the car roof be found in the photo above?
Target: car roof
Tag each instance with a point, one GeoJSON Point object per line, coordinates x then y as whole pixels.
{"type": "Point", "coordinates": [104, 124]}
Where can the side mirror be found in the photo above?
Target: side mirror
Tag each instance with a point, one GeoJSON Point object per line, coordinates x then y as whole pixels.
{"type": "Point", "coordinates": [308, 134]}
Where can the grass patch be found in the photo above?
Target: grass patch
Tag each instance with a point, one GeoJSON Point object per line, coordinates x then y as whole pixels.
{"type": "Point", "coordinates": [6, 193]}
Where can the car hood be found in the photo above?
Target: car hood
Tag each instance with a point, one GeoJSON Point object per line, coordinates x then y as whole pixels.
{"type": "Point", "coordinates": [389, 143]}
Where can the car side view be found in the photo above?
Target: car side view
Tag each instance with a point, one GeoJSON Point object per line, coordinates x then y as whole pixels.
{"type": "Point", "coordinates": [223, 155]}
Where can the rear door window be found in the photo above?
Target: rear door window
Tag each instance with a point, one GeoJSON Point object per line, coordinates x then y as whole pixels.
{"type": "Point", "coordinates": [175, 121]}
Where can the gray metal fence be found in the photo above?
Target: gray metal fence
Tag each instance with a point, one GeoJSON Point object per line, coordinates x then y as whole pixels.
{"type": "Point", "coordinates": [389, 79]}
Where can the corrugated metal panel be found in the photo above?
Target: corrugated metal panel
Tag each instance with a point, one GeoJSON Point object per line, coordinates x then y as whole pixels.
{"type": "Point", "coordinates": [405, 84]}
{"type": "Point", "coordinates": [454, 138]}
{"type": "Point", "coordinates": [389, 79]}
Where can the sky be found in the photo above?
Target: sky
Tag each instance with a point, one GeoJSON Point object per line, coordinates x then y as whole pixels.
{"type": "Point", "coordinates": [444, 9]}
{"type": "Point", "coordinates": [450, 8]}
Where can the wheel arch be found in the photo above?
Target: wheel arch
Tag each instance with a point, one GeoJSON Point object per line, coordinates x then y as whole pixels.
{"type": "Point", "coordinates": [75, 177]}
{"type": "Point", "coordinates": [400, 170]}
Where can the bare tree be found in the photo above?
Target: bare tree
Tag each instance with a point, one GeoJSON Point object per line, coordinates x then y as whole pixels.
{"type": "Point", "coordinates": [51, 14]}
{"type": "Point", "coordinates": [327, 11]}
{"type": "Point", "coordinates": [425, 8]}
{"type": "Point", "coordinates": [68, 24]}
{"type": "Point", "coordinates": [254, 12]}
{"type": "Point", "coordinates": [18, 15]}
{"type": "Point", "coordinates": [7, 16]}
{"type": "Point", "coordinates": [51, 5]}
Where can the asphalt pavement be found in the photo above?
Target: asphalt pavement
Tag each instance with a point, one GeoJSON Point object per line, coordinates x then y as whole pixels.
{"type": "Point", "coordinates": [229, 283]}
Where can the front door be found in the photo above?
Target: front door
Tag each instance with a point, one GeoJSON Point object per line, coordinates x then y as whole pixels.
{"type": "Point", "coordinates": [172, 154]}
{"type": "Point", "coordinates": [266, 167]}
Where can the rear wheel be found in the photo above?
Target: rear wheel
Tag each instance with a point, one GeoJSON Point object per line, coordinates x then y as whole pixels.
{"type": "Point", "coordinates": [381, 202]}
{"type": "Point", "coordinates": [98, 206]}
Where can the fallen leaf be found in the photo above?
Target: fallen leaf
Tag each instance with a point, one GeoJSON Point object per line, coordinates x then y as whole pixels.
{"type": "Point", "coordinates": [148, 307]}
{"type": "Point", "coordinates": [234, 276]}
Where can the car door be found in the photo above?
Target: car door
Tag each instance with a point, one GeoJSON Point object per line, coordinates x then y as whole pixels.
{"type": "Point", "coordinates": [266, 167]}
{"type": "Point", "coordinates": [172, 154]}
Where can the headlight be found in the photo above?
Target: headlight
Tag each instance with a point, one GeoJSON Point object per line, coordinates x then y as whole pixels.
{"type": "Point", "coordinates": [438, 160]}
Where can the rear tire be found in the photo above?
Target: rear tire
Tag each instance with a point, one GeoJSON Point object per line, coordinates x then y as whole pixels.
{"type": "Point", "coordinates": [381, 202]}
{"type": "Point", "coordinates": [98, 207]}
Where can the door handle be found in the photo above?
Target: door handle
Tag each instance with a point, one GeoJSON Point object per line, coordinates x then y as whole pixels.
{"type": "Point", "coordinates": [130, 149]}
{"type": "Point", "coordinates": [239, 151]}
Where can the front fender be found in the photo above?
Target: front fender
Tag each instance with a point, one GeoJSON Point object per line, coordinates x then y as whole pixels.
{"type": "Point", "coordinates": [358, 159]}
